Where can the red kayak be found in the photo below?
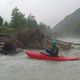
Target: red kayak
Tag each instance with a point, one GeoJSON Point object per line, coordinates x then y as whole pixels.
{"type": "Point", "coordinates": [38, 55]}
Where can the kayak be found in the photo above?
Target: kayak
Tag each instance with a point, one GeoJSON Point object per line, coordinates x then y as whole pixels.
{"type": "Point", "coordinates": [41, 56]}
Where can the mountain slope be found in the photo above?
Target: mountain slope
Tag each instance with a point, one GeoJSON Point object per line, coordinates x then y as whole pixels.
{"type": "Point", "coordinates": [70, 25]}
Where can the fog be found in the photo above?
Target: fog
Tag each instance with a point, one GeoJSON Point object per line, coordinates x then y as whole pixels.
{"type": "Point", "coordinates": [49, 12]}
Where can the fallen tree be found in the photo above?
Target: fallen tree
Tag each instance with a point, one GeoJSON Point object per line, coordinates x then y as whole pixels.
{"type": "Point", "coordinates": [34, 39]}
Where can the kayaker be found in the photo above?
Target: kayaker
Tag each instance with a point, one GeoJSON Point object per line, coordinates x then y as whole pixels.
{"type": "Point", "coordinates": [54, 49]}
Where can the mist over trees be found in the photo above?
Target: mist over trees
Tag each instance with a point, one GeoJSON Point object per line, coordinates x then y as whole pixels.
{"type": "Point", "coordinates": [20, 23]}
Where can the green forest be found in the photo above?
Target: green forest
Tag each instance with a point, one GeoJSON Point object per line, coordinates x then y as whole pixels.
{"type": "Point", "coordinates": [19, 23]}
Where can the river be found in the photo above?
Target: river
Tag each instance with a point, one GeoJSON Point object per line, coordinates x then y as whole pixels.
{"type": "Point", "coordinates": [20, 67]}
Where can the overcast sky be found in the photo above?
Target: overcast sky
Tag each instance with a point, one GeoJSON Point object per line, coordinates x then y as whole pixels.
{"type": "Point", "coordinates": [49, 12]}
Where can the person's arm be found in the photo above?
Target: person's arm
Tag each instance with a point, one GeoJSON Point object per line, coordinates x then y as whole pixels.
{"type": "Point", "coordinates": [59, 47]}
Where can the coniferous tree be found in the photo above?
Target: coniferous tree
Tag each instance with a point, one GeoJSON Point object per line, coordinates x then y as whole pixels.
{"type": "Point", "coordinates": [1, 21]}
{"type": "Point", "coordinates": [17, 19]}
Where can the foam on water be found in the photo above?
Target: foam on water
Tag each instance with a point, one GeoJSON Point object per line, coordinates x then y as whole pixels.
{"type": "Point", "coordinates": [20, 67]}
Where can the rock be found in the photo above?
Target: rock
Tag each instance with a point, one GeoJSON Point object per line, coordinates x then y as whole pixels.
{"type": "Point", "coordinates": [8, 48]}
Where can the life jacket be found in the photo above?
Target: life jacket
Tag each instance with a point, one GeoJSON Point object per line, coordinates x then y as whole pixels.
{"type": "Point", "coordinates": [54, 51]}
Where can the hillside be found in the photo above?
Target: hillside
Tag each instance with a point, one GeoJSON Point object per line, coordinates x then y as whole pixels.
{"type": "Point", "coordinates": [69, 26]}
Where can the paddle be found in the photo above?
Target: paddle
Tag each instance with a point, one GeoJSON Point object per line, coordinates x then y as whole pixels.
{"type": "Point", "coordinates": [44, 53]}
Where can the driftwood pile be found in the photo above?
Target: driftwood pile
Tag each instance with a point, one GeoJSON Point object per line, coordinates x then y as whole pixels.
{"type": "Point", "coordinates": [65, 46]}
{"type": "Point", "coordinates": [34, 39]}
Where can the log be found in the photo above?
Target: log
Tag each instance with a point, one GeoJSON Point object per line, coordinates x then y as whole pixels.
{"type": "Point", "coordinates": [71, 43]}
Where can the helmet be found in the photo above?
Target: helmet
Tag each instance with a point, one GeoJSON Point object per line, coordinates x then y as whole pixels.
{"type": "Point", "coordinates": [54, 42]}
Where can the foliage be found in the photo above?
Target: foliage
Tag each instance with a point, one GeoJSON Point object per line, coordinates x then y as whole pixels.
{"type": "Point", "coordinates": [7, 30]}
{"type": "Point", "coordinates": [6, 24]}
{"type": "Point", "coordinates": [45, 29]}
{"type": "Point", "coordinates": [1, 21]}
{"type": "Point", "coordinates": [19, 23]}
{"type": "Point", "coordinates": [18, 19]}
{"type": "Point", "coordinates": [31, 22]}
